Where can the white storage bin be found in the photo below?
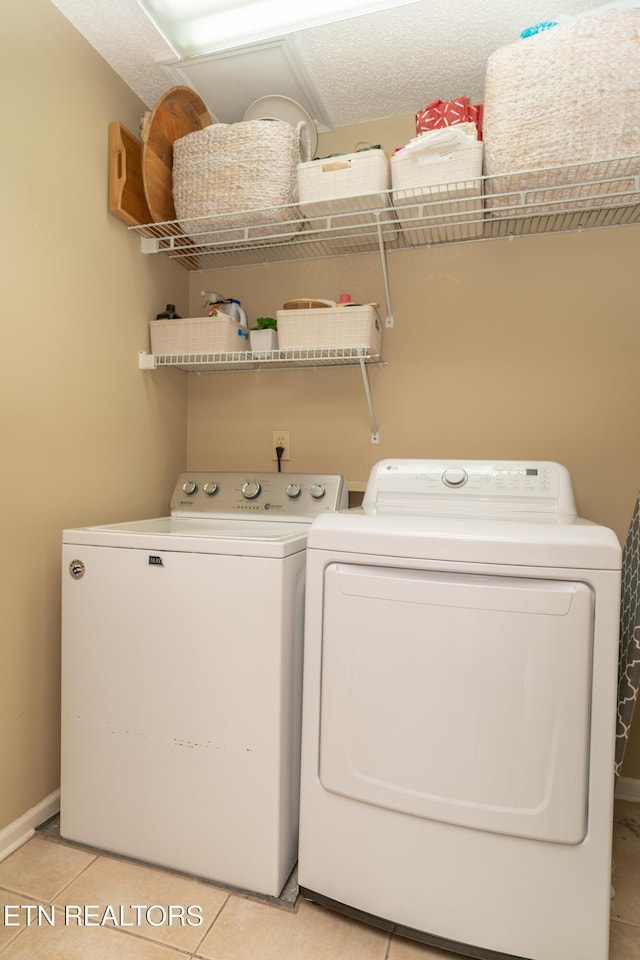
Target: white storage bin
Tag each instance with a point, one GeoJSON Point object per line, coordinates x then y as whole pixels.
{"type": "Point", "coordinates": [347, 184]}
{"type": "Point", "coordinates": [365, 174]}
{"type": "Point", "coordinates": [449, 186]}
{"type": "Point", "coordinates": [197, 335]}
{"type": "Point", "coordinates": [330, 328]}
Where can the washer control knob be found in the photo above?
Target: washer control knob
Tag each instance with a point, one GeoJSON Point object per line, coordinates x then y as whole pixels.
{"type": "Point", "coordinates": [317, 491]}
{"type": "Point", "coordinates": [293, 491]}
{"type": "Point", "coordinates": [210, 488]}
{"type": "Point", "coordinates": [190, 487]}
{"type": "Point", "coordinates": [250, 489]}
{"type": "Point", "coordinates": [455, 477]}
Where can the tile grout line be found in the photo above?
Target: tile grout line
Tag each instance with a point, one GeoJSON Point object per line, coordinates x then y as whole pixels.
{"type": "Point", "coordinates": [18, 895]}
{"type": "Point", "coordinates": [21, 893]}
{"type": "Point", "coordinates": [73, 880]}
{"type": "Point", "coordinates": [388, 948]}
{"type": "Point", "coordinates": [181, 951]}
{"type": "Point", "coordinates": [211, 925]}
{"type": "Point", "coordinates": [11, 942]}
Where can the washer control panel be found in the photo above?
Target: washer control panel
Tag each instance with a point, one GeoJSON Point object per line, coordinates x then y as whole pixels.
{"type": "Point", "coordinates": [261, 496]}
{"type": "Point", "coordinates": [474, 487]}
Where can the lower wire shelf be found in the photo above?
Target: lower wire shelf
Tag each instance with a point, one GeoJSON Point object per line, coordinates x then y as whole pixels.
{"type": "Point", "coordinates": [262, 360]}
{"type": "Point", "coordinates": [272, 360]}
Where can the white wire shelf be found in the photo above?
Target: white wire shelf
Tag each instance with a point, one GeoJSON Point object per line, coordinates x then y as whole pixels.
{"type": "Point", "coordinates": [564, 198]}
{"type": "Point", "coordinates": [272, 360]}
{"type": "Point", "coordinates": [262, 360]}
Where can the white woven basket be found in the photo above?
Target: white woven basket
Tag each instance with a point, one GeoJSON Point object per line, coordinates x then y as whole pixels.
{"type": "Point", "coordinates": [197, 335]}
{"type": "Point", "coordinates": [568, 95]}
{"type": "Point", "coordinates": [330, 327]}
{"type": "Point", "coordinates": [234, 174]}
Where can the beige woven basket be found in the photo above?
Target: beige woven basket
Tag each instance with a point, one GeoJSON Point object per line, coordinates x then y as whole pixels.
{"type": "Point", "coordinates": [566, 96]}
{"type": "Point", "coordinates": [234, 175]}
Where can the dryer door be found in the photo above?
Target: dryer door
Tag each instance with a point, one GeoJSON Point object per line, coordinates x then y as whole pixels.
{"type": "Point", "coordinates": [457, 697]}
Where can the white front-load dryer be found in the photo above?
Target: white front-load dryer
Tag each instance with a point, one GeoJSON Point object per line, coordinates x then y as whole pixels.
{"type": "Point", "coordinates": [461, 648]}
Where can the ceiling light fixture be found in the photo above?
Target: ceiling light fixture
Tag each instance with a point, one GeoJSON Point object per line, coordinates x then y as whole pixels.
{"type": "Point", "coordinates": [195, 27]}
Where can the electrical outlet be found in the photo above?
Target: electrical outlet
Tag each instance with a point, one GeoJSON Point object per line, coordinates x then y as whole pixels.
{"type": "Point", "coordinates": [281, 438]}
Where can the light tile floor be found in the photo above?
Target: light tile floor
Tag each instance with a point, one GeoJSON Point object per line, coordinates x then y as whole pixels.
{"type": "Point", "coordinates": [46, 884]}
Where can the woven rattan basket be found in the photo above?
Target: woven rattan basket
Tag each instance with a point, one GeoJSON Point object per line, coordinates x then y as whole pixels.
{"type": "Point", "coordinates": [566, 96]}
{"type": "Point", "coordinates": [237, 175]}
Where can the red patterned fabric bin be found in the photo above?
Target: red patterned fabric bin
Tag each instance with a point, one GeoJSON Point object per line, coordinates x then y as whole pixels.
{"type": "Point", "coordinates": [444, 113]}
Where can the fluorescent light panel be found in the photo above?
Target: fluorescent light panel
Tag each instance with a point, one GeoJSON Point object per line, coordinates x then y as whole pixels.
{"type": "Point", "coordinates": [194, 27]}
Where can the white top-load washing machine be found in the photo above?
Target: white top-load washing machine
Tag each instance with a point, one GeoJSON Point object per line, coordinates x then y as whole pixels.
{"type": "Point", "coordinates": [461, 648]}
{"type": "Point", "coordinates": [182, 675]}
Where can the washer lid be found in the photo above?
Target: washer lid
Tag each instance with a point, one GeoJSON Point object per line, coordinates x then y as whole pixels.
{"type": "Point", "coordinates": [233, 537]}
{"type": "Point", "coordinates": [284, 108]}
{"type": "Point", "coordinates": [570, 543]}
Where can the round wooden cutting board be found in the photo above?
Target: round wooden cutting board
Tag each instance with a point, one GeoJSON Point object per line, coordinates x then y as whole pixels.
{"type": "Point", "coordinates": [178, 112]}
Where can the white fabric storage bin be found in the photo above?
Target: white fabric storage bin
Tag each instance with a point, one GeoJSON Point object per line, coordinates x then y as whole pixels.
{"type": "Point", "coordinates": [342, 186]}
{"type": "Point", "coordinates": [448, 185]}
{"type": "Point", "coordinates": [565, 97]}
{"type": "Point", "coordinates": [330, 328]}
{"type": "Point", "coordinates": [197, 335]}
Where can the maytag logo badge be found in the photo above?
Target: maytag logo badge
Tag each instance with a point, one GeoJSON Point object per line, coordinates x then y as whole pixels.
{"type": "Point", "coordinates": [76, 569]}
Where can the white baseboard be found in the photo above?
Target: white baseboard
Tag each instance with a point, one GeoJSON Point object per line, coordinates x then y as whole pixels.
{"type": "Point", "coordinates": [628, 789]}
{"type": "Point", "coordinates": [23, 828]}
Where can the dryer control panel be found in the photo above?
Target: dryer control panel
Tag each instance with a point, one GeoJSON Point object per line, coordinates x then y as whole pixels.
{"type": "Point", "coordinates": [258, 496]}
{"type": "Point", "coordinates": [470, 488]}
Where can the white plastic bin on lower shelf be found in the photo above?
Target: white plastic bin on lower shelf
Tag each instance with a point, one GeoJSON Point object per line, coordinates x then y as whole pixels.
{"type": "Point", "coordinates": [443, 189]}
{"type": "Point", "coordinates": [330, 327]}
{"type": "Point", "coordinates": [197, 335]}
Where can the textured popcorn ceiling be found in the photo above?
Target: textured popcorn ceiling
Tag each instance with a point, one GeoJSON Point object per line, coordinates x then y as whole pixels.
{"type": "Point", "coordinates": [379, 65]}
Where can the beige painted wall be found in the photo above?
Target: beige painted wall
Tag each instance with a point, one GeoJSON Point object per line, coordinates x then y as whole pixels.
{"type": "Point", "coordinates": [86, 437]}
{"type": "Point", "coordinates": [524, 348]}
